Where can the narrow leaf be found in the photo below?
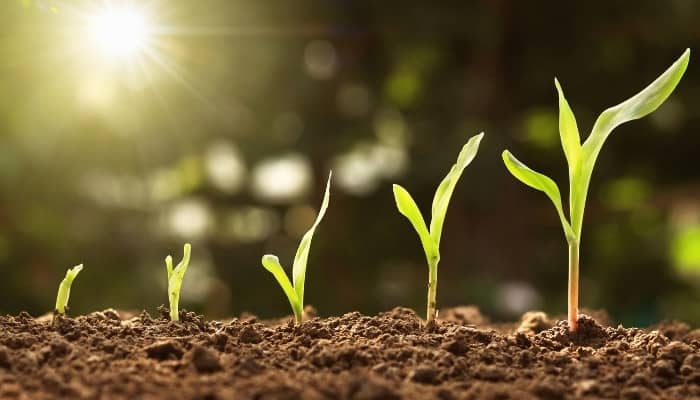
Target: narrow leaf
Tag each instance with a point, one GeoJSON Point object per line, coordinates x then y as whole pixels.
{"type": "Point", "coordinates": [169, 266]}
{"type": "Point", "coordinates": [302, 256]}
{"type": "Point", "coordinates": [64, 288]}
{"type": "Point", "coordinates": [635, 107]}
{"type": "Point", "coordinates": [272, 264]}
{"type": "Point", "coordinates": [407, 206]}
{"type": "Point", "coordinates": [540, 182]}
{"type": "Point", "coordinates": [568, 130]}
{"type": "Point", "coordinates": [443, 194]}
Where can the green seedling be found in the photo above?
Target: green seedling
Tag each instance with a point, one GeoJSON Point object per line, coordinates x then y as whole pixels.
{"type": "Point", "coordinates": [64, 289]}
{"type": "Point", "coordinates": [175, 277]}
{"type": "Point", "coordinates": [430, 239]}
{"type": "Point", "coordinates": [581, 159]}
{"type": "Point", "coordinates": [295, 291]}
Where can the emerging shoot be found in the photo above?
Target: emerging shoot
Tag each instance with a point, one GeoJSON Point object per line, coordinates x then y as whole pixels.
{"type": "Point", "coordinates": [64, 289]}
{"type": "Point", "coordinates": [581, 159]}
{"type": "Point", "coordinates": [175, 277]}
{"type": "Point", "coordinates": [295, 291]}
{"type": "Point", "coordinates": [430, 239]}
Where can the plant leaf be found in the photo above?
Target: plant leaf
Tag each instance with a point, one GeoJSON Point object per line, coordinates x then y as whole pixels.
{"type": "Point", "coordinates": [568, 130]}
{"type": "Point", "coordinates": [169, 266]}
{"type": "Point", "coordinates": [639, 105]}
{"type": "Point", "coordinates": [272, 264]}
{"type": "Point", "coordinates": [64, 288]}
{"type": "Point", "coordinates": [407, 206]}
{"type": "Point", "coordinates": [302, 255]}
{"type": "Point", "coordinates": [443, 194]}
{"type": "Point", "coordinates": [540, 182]}
{"type": "Point", "coordinates": [177, 274]}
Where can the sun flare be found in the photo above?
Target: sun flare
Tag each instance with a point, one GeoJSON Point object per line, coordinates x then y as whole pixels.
{"type": "Point", "coordinates": [120, 32]}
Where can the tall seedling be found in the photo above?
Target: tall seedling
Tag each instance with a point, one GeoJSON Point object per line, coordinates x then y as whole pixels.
{"type": "Point", "coordinates": [430, 239]}
{"type": "Point", "coordinates": [295, 291]}
{"type": "Point", "coordinates": [581, 159]}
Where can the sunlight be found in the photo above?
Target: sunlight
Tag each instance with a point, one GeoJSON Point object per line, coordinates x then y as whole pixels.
{"type": "Point", "coordinates": [120, 32]}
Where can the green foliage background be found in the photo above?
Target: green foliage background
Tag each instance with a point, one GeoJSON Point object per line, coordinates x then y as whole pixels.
{"type": "Point", "coordinates": [96, 161]}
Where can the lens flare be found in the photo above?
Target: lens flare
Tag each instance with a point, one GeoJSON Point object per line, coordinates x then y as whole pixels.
{"type": "Point", "coordinates": [120, 32]}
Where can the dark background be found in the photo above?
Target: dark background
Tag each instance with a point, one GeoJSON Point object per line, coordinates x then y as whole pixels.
{"type": "Point", "coordinates": [222, 132]}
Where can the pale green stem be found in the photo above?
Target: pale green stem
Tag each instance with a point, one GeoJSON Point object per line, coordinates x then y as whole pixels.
{"type": "Point", "coordinates": [298, 313]}
{"type": "Point", "coordinates": [432, 291]}
{"type": "Point", "coordinates": [174, 306]}
{"type": "Point", "coordinates": [573, 284]}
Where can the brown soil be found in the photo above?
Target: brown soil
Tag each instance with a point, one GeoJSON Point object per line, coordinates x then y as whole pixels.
{"type": "Point", "coordinates": [390, 356]}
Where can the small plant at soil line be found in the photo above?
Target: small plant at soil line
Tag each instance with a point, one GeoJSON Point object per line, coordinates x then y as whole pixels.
{"type": "Point", "coordinates": [175, 277]}
{"type": "Point", "coordinates": [295, 290]}
{"type": "Point", "coordinates": [581, 159]}
{"type": "Point", "coordinates": [430, 238]}
{"type": "Point", "coordinates": [64, 289]}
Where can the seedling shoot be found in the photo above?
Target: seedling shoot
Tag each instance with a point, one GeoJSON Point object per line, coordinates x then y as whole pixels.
{"type": "Point", "coordinates": [64, 289]}
{"type": "Point", "coordinates": [581, 159]}
{"type": "Point", "coordinates": [430, 239]}
{"type": "Point", "coordinates": [175, 277]}
{"type": "Point", "coordinates": [295, 291]}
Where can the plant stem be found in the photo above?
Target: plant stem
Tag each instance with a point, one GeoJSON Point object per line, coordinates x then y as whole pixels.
{"type": "Point", "coordinates": [174, 306]}
{"type": "Point", "coordinates": [298, 314]}
{"type": "Point", "coordinates": [432, 291]}
{"type": "Point", "coordinates": [573, 284]}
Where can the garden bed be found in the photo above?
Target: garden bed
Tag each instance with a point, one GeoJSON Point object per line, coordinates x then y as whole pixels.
{"type": "Point", "coordinates": [389, 356]}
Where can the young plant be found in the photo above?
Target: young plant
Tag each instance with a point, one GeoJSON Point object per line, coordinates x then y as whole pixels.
{"type": "Point", "coordinates": [64, 289]}
{"type": "Point", "coordinates": [581, 159]}
{"type": "Point", "coordinates": [295, 291]}
{"type": "Point", "coordinates": [175, 277]}
{"type": "Point", "coordinates": [430, 239]}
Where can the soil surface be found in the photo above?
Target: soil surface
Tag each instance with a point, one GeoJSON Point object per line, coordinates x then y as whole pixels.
{"type": "Point", "coordinates": [393, 355]}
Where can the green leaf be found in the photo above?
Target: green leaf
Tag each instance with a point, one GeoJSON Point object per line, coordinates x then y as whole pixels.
{"type": "Point", "coordinates": [302, 255]}
{"type": "Point", "coordinates": [64, 288]}
{"type": "Point", "coordinates": [540, 182]}
{"type": "Point", "coordinates": [407, 206]}
{"type": "Point", "coordinates": [176, 275]}
{"type": "Point", "coordinates": [443, 194]}
{"type": "Point", "coordinates": [633, 108]}
{"type": "Point", "coordinates": [272, 264]}
{"type": "Point", "coordinates": [568, 130]}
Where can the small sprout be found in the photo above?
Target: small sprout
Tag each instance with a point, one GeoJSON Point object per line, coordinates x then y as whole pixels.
{"type": "Point", "coordinates": [295, 292]}
{"type": "Point", "coordinates": [430, 239]}
{"type": "Point", "coordinates": [581, 159]}
{"type": "Point", "coordinates": [64, 289]}
{"type": "Point", "coordinates": [175, 277]}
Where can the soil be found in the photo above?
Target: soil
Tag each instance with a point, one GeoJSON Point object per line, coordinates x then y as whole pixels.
{"type": "Point", "coordinates": [394, 355]}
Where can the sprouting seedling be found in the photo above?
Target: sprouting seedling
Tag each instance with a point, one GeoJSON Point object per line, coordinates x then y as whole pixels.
{"type": "Point", "coordinates": [581, 159]}
{"type": "Point", "coordinates": [175, 277]}
{"type": "Point", "coordinates": [64, 289]}
{"type": "Point", "coordinates": [430, 239]}
{"type": "Point", "coordinates": [295, 291]}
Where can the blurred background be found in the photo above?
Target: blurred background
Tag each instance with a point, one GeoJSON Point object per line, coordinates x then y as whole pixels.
{"type": "Point", "coordinates": [129, 128]}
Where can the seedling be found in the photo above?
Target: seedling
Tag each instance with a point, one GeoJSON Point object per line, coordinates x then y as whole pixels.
{"type": "Point", "coordinates": [64, 289]}
{"type": "Point", "coordinates": [295, 291]}
{"type": "Point", "coordinates": [175, 277]}
{"type": "Point", "coordinates": [581, 159]}
{"type": "Point", "coordinates": [430, 239]}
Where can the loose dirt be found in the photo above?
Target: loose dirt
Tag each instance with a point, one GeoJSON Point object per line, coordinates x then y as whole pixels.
{"type": "Point", "coordinates": [107, 355]}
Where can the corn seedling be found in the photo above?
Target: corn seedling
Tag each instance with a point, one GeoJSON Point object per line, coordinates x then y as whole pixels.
{"type": "Point", "coordinates": [175, 277]}
{"type": "Point", "coordinates": [430, 239]}
{"type": "Point", "coordinates": [64, 289]}
{"type": "Point", "coordinates": [295, 291]}
{"type": "Point", "coordinates": [581, 159]}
